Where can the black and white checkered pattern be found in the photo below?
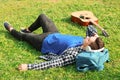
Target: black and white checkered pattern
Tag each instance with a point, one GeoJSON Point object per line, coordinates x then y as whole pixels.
{"type": "Point", "coordinates": [68, 57]}
{"type": "Point", "coordinates": [91, 30]}
{"type": "Point", "coordinates": [49, 56]}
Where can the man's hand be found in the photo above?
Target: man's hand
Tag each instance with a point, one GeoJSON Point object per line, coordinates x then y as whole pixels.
{"type": "Point", "coordinates": [23, 67]}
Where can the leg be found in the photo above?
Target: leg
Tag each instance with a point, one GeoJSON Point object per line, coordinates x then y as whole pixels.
{"type": "Point", "coordinates": [44, 22]}
{"type": "Point", "coordinates": [34, 39]}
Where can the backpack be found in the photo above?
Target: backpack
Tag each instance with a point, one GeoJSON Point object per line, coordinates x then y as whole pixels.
{"type": "Point", "coordinates": [91, 60]}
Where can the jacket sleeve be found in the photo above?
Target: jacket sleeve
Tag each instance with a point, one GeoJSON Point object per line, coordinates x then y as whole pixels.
{"type": "Point", "coordinates": [68, 57]}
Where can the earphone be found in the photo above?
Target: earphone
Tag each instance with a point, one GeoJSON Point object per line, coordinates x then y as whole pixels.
{"type": "Point", "coordinates": [88, 49]}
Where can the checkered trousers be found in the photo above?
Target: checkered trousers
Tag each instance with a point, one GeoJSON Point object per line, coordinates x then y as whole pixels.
{"type": "Point", "coordinates": [68, 57]}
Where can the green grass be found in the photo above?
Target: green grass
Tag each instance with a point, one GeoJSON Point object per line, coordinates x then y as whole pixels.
{"type": "Point", "coordinates": [21, 13]}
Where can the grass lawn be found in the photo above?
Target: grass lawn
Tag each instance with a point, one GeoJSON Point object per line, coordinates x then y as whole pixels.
{"type": "Point", "coordinates": [21, 13]}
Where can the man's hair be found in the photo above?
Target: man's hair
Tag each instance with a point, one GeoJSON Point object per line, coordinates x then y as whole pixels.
{"type": "Point", "coordinates": [98, 44]}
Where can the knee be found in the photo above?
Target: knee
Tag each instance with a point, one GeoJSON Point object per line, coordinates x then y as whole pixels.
{"type": "Point", "coordinates": [41, 16]}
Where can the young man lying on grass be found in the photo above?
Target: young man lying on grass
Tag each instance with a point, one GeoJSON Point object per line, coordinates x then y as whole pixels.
{"type": "Point", "coordinates": [52, 41]}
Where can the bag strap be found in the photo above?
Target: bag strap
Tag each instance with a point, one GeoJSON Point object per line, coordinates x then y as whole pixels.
{"type": "Point", "coordinates": [83, 68]}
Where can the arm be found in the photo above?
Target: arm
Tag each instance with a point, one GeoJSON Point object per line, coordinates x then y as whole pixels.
{"type": "Point", "coordinates": [67, 58]}
{"type": "Point", "coordinates": [103, 31]}
{"type": "Point", "coordinates": [91, 31]}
